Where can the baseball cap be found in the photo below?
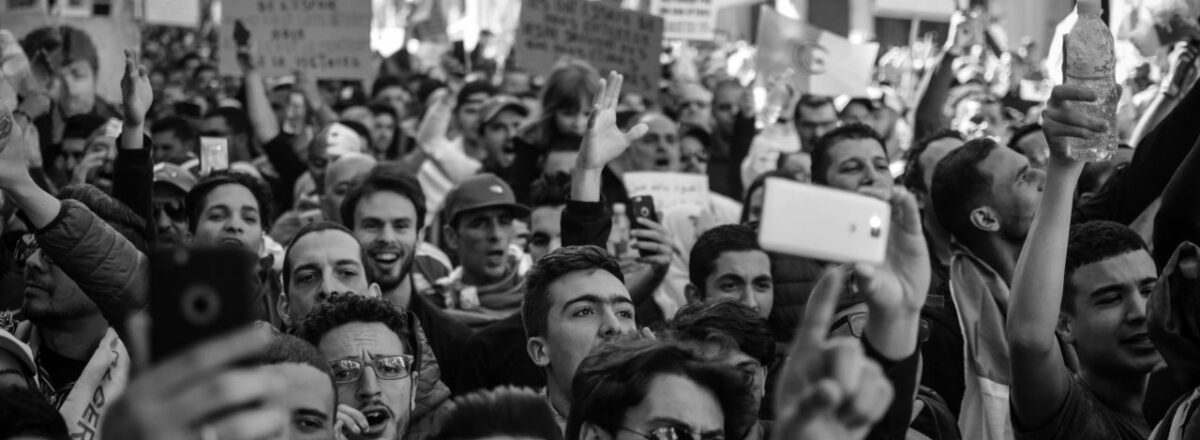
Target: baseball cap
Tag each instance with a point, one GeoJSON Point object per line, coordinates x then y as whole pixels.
{"type": "Point", "coordinates": [338, 140]}
{"type": "Point", "coordinates": [174, 175]}
{"type": "Point", "coordinates": [20, 351]}
{"type": "Point", "coordinates": [481, 191]}
{"type": "Point", "coordinates": [499, 103]}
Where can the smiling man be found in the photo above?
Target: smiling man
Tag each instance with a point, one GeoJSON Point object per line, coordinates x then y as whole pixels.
{"type": "Point", "coordinates": [479, 216]}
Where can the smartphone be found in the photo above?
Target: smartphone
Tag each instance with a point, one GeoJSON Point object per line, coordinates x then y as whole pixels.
{"type": "Point", "coordinates": [241, 35]}
{"type": "Point", "coordinates": [199, 293]}
{"type": "Point", "coordinates": [641, 207]}
{"type": "Point", "coordinates": [214, 154]}
{"type": "Point", "coordinates": [823, 223]}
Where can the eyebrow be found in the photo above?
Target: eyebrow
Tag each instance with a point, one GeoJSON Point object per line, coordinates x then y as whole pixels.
{"type": "Point", "coordinates": [596, 299]}
{"type": "Point", "coordinates": [1021, 172]}
{"type": "Point", "coordinates": [312, 412]}
{"type": "Point", "coordinates": [1118, 286]}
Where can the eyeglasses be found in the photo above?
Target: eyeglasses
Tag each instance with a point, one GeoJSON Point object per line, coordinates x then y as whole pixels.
{"type": "Point", "coordinates": [174, 210]}
{"type": "Point", "coordinates": [676, 432]}
{"type": "Point", "coordinates": [24, 249]}
{"type": "Point", "coordinates": [387, 368]}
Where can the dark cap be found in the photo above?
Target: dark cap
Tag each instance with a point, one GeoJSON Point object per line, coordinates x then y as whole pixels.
{"type": "Point", "coordinates": [497, 104]}
{"type": "Point", "coordinates": [173, 175]}
{"type": "Point", "coordinates": [478, 192]}
{"type": "Point", "coordinates": [474, 88]}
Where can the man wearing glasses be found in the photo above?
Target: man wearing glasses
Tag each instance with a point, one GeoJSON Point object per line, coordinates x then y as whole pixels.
{"type": "Point", "coordinates": [370, 346]}
{"type": "Point", "coordinates": [171, 185]}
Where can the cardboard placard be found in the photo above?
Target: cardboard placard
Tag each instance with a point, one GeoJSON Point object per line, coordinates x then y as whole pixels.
{"type": "Point", "coordinates": [687, 19]}
{"type": "Point", "coordinates": [608, 37]}
{"type": "Point", "coordinates": [669, 189]}
{"type": "Point", "coordinates": [184, 13]}
{"type": "Point", "coordinates": [329, 39]}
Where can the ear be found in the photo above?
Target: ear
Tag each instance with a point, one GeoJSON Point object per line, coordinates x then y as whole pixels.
{"type": "Point", "coordinates": [590, 432]}
{"type": "Point", "coordinates": [538, 352]}
{"type": "Point", "coordinates": [1063, 329]}
{"type": "Point", "coordinates": [692, 293]}
{"type": "Point", "coordinates": [450, 236]}
{"type": "Point", "coordinates": [282, 305]}
{"type": "Point", "coordinates": [985, 219]}
{"type": "Point", "coordinates": [374, 291]}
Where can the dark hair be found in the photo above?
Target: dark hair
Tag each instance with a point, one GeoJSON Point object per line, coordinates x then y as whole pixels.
{"type": "Point", "coordinates": [550, 190]}
{"type": "Point", "coordinates": [820, 152]}
{"type": "Point", "coordinates": [914, 172]}
{"type": "Point", "coordinates": [26, 413]}
{"type": "Point", "coordinates": [181, 128]}
{"type": "Point", "coordinates": [870, 105]}
{"type": "Point", "coordinates": [1021, 132]}
{"type": "Point", "coordinates": [197, 197]}
{"type": "Point", "coordinates": [811, 101]}
{"type": "Point", "coordinates": [536, 303]}
{"type": "Point", "coordinates": [473, 88]}
{"type": "Point", "coordinates": [318, 227]}
{"type": "Point", "coordinates": [82, 126]}
{"type": "Point", "coordinates": [72, 43]}
{"type": "Point", "coordinates": [725, 321]}
{"type": "Point", "coordinates": [379, 108]}
{"type": "Point", "coordinates": [389, 177]}
{"type": "Point", "coordinates": [960, 186]}
{"type": "Point", "coordinates": [617, 376]}
{"type": "Point", "coordinates": [698, 133]}
{"type": "Point", "coordinates": [385, 82]}
{"type": "Point", "coordinates": [570, 87]}
{"type": "Point", "coordinates": [711, 244]}
{"type": "Point", "coordinates": [340, 310]}
{"type": "Point", "coordinates": [362, 130]}
{"type": "Point", "coordinates": [505, 411]}
{"type": "Point", "coordinates": [112, 211]}
{"type": "Point", "coordinates": [236, 118]}
{"type": "Point", "coordinates": [1092, 242]}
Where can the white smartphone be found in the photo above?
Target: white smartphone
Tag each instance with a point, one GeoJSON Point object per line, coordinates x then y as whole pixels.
{"type": "Point", "coordinates": [823, 223]}
{"type": "Point", "coordinates": [214, 154]}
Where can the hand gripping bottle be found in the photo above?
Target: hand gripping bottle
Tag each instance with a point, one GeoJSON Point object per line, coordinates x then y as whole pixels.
{"type": "Point", "coordinates": [1088, 61]}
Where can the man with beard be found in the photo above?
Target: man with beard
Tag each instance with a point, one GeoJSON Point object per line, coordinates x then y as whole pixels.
{"type": "Point", "coordinates": [171, 185]}
{"type": "Point", "coordinates": [502, 117]}
{"type": "Point", "coordinates": [354, 333]}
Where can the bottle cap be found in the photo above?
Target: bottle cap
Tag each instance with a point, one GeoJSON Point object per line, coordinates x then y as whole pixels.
{"type": "Point", "coordinates": [1090, 7]}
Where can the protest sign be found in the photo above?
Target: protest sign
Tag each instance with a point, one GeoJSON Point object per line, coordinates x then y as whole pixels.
{"type": "Point", "coordinates": [687, 19]}
{"type": "Point", "coordinates": [330, 39]}
{"type": "Point", "coordinates": [173, 12]}
{"type": "Point", "coordinates": [811, 59]}
{"type": "Point", "coordinates": [669, 189]}
{"type": "Point", "coordinates": [608, 37]}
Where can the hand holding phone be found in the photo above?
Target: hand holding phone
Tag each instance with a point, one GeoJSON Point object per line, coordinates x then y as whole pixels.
{"type": "Point", "coordinates": [823, 223]}
{"type": "Point", "coordinates": [214, 154]}
{"type": "Point", "coordinates": [199, 293]}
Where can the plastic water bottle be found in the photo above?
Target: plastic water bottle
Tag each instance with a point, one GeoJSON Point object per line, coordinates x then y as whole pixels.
{"type": "Point", "coordinates": [618, 240]}
{"type": "Point", "coordinates": [1088, 61]}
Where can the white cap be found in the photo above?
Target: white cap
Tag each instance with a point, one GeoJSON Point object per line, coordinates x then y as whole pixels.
{"type": "Point", "coordinates": [1091, 7]}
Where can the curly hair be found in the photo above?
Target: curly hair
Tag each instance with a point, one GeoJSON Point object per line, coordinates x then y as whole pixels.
{"type": "Point", "coordinates": [340, 310]}
{"type": "Point", "coordinates": [506, 411]}
{"type": "Point", "coordinates": [728, 323]}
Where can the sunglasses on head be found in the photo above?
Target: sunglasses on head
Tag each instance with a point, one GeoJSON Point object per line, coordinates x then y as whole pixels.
{"type": "Point", "coordinates": [24, 249]}
{"type": "Point", "coordinates": [676, 432]}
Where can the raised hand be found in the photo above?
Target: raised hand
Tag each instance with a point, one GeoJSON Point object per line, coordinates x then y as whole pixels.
{"type": "Point", "coordinates": [136, 94]}
{"type": "Point", "coordinates": [902, 282]}
{"type": "Point", "coordinates": [436, 122]}
{"type": "Point", "coordinates": [828, 389]}
{"type": "Point", "coordinates": [657, 243]}
{"type": "Point", "coordinates": [1061, 120]}
{"type": "Point", "coordinates": [604, 141]}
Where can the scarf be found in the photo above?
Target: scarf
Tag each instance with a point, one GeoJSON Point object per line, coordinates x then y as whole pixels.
{"type": "Point", "coordinates": [478, 306]}
{"type": "Point", "coordinates": [982, 299]}
{"type": "Point", "coordinates": [102, 381]}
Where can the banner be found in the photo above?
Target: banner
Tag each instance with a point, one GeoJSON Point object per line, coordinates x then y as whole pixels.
{"type": "Point", "coordinates": [608, 37]}
{"type": "Point", "coordinates": [687, 19]}
{"type": "Point", "coordinates": [184, 13]}
{"type": "Point", "coordinates": [668, 189]}
{"type": "Point", "coordinates": [330, 39]}
{"type": "Point", "coordinates": [812, 60]}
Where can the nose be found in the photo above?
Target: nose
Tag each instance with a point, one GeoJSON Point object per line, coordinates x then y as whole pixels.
{"type": "Point", "coordinates": [748, 298]}
{"type": "Point", "coordinates": [389, 234]}
{"type": "Point", "coordinates": [163, 220]}
{"type": "Point", "coordinates": [330, 285]}
{"type": "Point", "coordinates": [1136, 311]}
{"type": "Point", "coordinates": [368, 384]}
{"type": "Point", "coordinates": [610, 325]}
{"type": "Point", "coordinates": [35, 264]}
{"type": "Point", "coordinates": [870, 176]}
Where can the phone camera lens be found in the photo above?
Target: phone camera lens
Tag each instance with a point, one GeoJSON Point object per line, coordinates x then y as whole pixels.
{"type": "Point", "coordinates": [200, 304]}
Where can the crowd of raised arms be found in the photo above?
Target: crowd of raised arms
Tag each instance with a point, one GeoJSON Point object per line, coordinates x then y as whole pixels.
{"type": "Point", "coordinates": [443, 252]}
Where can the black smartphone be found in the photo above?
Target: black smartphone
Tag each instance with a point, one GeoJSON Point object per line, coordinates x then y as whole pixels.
{"type": "Point", "coordinates": [641, 207]}
{"type": "Point", "coordinates": [198, 293]}
{"type": "Point", "coordinates": [241, 35]}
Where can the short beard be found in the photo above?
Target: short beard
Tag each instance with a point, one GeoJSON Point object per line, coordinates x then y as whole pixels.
{"type": "Point", "coordinates": [387, 283]}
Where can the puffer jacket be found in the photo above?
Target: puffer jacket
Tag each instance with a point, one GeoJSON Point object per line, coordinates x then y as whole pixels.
{"type": "Point", "coordinates": [794, 278]}
{"type": "Point", "coordinates": [106, 266]}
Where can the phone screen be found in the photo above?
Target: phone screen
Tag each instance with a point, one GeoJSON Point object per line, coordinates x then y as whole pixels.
{"type": "Point", "coordinates": [214, 154]}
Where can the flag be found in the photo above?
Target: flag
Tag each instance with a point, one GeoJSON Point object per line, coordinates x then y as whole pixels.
{"type": "Point", "coordinates": [811, 59]}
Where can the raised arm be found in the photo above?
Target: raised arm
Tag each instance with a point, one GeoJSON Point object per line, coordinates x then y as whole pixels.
{"type": "Point", "coordinates": [133, 171]}
{"type": "Point", "coordinates": [1039, 373]}
{"type": "Point", "coordinates": [603, 141]}
{"type": "Point", "coordinates": [258, 106]}
{"type": "Point", "coordinates": [431, 138]}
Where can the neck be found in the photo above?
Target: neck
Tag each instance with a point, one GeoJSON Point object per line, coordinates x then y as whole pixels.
{"type": "Point", "coordinates": [1122, 392]}
{"type": "Point", "coordinates": [938, 239]}
{"type": "Point", "coordinates": [999, 254]}
{"type": "Point", "coordinates": [560, 399]}
{"type": "Point", "coordinates": [74, 338]}
{"type": "Point", "coordinates": [401, 295]}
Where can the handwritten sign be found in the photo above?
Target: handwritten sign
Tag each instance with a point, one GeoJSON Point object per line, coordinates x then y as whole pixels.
{"type": "Point", "coordinates": [669, 189]}
{"type": "Point", "coordinates": [687, 19]}
{"type": "Point", "coordinates": [608, 37]}
{"type": "Point", "coordinates": [326, 38]}
{"type": "Point", "coordinates": [173, 12]}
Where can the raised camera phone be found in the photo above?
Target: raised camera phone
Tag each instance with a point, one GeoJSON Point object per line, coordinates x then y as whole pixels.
{"type": "Point", "coordinates": [823, 223]}
{"type": "Point", "coordinates": [641, 207]}
{"type": "Point", "coordinates": [199, 293]}
{"type": "Point", "coordinates": [214, 154]}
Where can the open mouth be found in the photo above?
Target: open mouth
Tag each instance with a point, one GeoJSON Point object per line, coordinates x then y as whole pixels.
{"type": "Point", "coordinates": [1140, 340]}
{"type": "Point", "coordinates": [662, 162]}
{"type": "Point", "coordinates": [377, 419]}
{"type": "Point", "coordinates": [385, 257]}
{"type": "Point", "coordinates": [231, 243]}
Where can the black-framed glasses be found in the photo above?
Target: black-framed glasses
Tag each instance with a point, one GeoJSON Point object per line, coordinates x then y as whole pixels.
{"type": "Point", "coordinates": [24, 249]}
{"type": "Point", "coordinates": [386, 368]}
{"type": "Point", "coordinates": [676, 432]}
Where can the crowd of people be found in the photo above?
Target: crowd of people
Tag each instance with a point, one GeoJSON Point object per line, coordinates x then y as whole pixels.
{"type": "Point", "coordinates": [445, 254]}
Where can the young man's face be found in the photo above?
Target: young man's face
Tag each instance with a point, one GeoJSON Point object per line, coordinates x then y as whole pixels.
{"type": "Point", "coordinates": [673, 400]}
{"type": "Point", "coordinates": [384, 402]}
{"type": "Point", "coordinates": [499, 132]}
{"type": "Point", "coordinates": [744, 276]}
{"type": "Point", "coordinates": [323, 264]}
{"type": "Point", "coordinates": [310, 401]}
{"type": "Point", "coordinates": [1016, 191]}
{"type": "Point", "coordinates": [725, 107]}
{"type": "Point", "coordinates": [383, 131]}
{"type": "Point", "coordinates": [169, 148]}
{"type": "Point", "coordinates": [814, 122]}
{"type": "Point", "coordinates": [230, 217]}
{"type": "Point", "coordinates": [77, 92]}
{"type": "Point", "coordinates": [587, 308]}
{"type": "Point", "coordinates": [468, 115]}
{"type": "Point", "coordinates": [545, 230]}
{"type": "Point", "coordinates": [386, 225]}
{"type": "Point", "coordinates": [482, 238]}
{"type": "Point", "coordinates": [170, 215]}
{"type": "Point", "coordinates": [857, 163]}
{"type": "Point", "coordinates": [1107, 320]}
{"type": "Point", "coordinates": [50, 295]}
